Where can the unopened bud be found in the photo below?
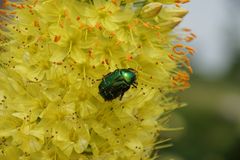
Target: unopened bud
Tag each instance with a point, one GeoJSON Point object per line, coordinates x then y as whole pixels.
{"type": "Point", "coordinates": [151, 10]}
{"type": "Point", "coordinates": [173, 12]}
{"type": "Point", "coordinates": [169, 24]}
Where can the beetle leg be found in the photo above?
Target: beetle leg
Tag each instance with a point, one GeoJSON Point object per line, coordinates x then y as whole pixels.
{"type": "Point", "coordinates": [126, 87]}
{"type": "Point", "coordinates": [134, 85]}
{"type": "Point", "coordinates": [121, 96]}
{"type": "Point", "coordinates": [111, 94]}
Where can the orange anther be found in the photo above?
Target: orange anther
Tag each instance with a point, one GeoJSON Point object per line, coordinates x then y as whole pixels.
{"type": "Point", "coordinates": [113, 33]}
{"type": "Point", "coordinates": [186, 30]}
{"type": "Point", "coordinates": [106, 61]}
{"type": "Point", "coordinates": [129, 26]}
{"type": "Point", "coordinates": [145, 24]}
{"type": "Point", "coordinates": [31, 11]}
{"type": "Point", "coordinates": [129, 57]}
{"type": "Point", "coordinates": [186, 84]}
{"type": "Point", "coordinates": [98, 26]}
{"type": "Point", "coordinates": [193, 35]}
{"type": "Point", "coordinates": [3, 12]}
{"type": "Point", "coordinates": [4, 5]}
{"type": "Point", "coordinates": [114, 2]}
{"type": "Point", "coordinates": [178, 49]}
{"type": "Point", "coordinates": [90, 53]}
{"type": "Point", "coordinates": [65, 13]}
{"type": "Point", "coordinates": [190, 50]}
{"type": "Point", "coordinates": [22, 6]}
{"type": "Point", "coordinates": [36, 24]}
{"type": "Point", "coordinates": [29, 6]}
{"type": "Point", "coordinates": [57, 38]}
{"type": "Point", "coordinates": [182, 1]}
{"type": "Point", "coordinates": [187, 61]}
{"type": "Point", "coordinates": [157, 27]}
{"type": "Point", "coordinates": [183, 76]}
{"type": "Point", "coordinates": [179, 45]}
{"type": "Point", "coordinates": [14, 5]}
{"type": "Point", "coordinates": [171, 57]}
{"type": "Point", "coordinates": [89, 28]}
{"type": "Point", "coordinates": [78, 18]}
{"type": "Point", "coordinates": [81, 25]}
{"type": "Point", "coordinates": [188, 39]}
{"type": "Point", "coordinates": [185, 1]}
{"type": "Point", "coordinates": [190, 69]}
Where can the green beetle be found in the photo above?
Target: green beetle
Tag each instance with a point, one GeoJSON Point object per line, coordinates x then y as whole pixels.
{"type": "Point", "coordinates": [116, 83]}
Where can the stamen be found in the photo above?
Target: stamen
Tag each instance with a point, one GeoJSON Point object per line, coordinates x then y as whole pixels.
{"type": "Point", "coordinates": [171, 57]}
{"type": "Point", "coordinates": [190, 50]}
{"type": "Point", "coordinates": [57, 38]}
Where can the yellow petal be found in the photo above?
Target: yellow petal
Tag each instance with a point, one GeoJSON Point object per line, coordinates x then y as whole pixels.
{"type": "Point", "coordinates": [79, 55]}
{"type": "Point", "coordinates": [12, 153]}
{"type": "Point", "coordinates": [58, 53]}
{"type": "Point", "coordinates": [109, 25]}
{"type": "Point", "coordinates": [65, 146]}
{"type": "Point", "coordinates": [81, 145]}
{"type": "Point", "coordinates": [135, 145]}
{"type": "Point", "coordinates": [87, 108]}
{"type": "Point", "coordinates": [122, 16]}
{"type": "Point", "coordinates": [36, 74]}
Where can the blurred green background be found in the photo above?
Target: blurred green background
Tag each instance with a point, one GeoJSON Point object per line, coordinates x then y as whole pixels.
{"type": "Point", "coordinates": [212, 116]}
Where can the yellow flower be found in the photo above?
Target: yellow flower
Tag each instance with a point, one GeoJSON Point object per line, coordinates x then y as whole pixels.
{"type": "Point", "coordinates": [53, 54]}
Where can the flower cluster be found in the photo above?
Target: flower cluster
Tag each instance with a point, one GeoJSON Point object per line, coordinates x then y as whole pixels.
{"type": "Point", "coordinates": [52, 55]}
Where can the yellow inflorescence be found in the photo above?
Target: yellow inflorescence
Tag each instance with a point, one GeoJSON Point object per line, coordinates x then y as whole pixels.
{"type": "Point", "coordinates": [52, 55]}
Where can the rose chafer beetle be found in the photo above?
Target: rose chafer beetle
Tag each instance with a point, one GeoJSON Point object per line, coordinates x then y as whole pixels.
{"type": "Point", "coordinates": [116, 83]}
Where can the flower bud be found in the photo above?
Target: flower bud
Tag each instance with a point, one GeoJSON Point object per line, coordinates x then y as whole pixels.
{"type": "Point", "coordinates": [151, 10]}
{"type": "Point", "coordinates": [173, 12]}
{"type": "Point", "coordinates": [169, 24]}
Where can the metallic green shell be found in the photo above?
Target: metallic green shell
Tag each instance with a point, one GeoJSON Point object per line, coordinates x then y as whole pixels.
{"type": "Point", "coordinates": [116, 83]}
